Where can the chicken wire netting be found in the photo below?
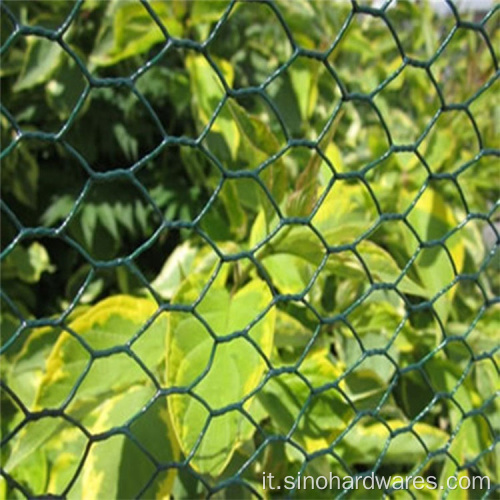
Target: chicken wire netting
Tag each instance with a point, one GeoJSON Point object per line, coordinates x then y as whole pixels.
{"type": "Point", "coordinates": [248, 238]}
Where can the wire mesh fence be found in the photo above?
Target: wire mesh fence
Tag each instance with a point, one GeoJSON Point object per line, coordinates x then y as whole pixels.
{"type": "Point", "coordinates": [248, 238]}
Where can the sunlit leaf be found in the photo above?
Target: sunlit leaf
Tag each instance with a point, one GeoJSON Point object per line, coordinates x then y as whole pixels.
{"type": "Point", "coordinates": [129, 31]}
{"type": "Point", "coordinates": [433, 219]}
{"type": "Point", "coordinates": [27, 264]}
{"type": "Point", "coordinates": [42, 59]}
{"type": "Point", "coordinates": [190, 351]}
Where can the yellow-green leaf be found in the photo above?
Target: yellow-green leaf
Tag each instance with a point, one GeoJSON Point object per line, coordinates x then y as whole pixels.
{"type": "Point", "coordinates": [433, 219]}
{"type": "Point", "coordinates": [220, 374]}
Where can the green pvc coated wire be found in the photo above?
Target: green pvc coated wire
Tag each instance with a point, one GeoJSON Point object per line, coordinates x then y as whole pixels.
{"type": "Point", "coordinates": [130, 174]}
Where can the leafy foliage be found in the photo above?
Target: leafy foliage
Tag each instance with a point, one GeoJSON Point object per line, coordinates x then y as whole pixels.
{"type": "Point", "coordinates": [244, 237]}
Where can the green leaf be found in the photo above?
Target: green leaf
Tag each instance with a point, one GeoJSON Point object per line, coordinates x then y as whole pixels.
{"type": "Point", "coordinates": [107, 217]}
{"type": "Point", "coordinates": [236, 214]}
{"type": "Point", "coordinates": [324, 414]}
{"type": "Point", "coordinates": [27, 264]}
{"type": "Point", "coordinates": [28, 366]}
{"type": "Point", "coordinates": [110, 324]}
{"type": "Point", "coordinates": [290, 332]}
{"type": "Point", "coordinates": [440, 148]}
{"type": "Point", "coordinates": [127, 142]}
{"type": "Point", "coordinates": [475, 432]}
{"type": "Point", "coordinates": [29, 441]}
{"type": "Point", "coordinates": [364, 444]}
{"type": "Point", "coordinates": [106, 472]}
{"type": "Point", "coordinates": [364, 388]}
{"type": "Point", "coordinates": [345, 214]}
{"type": "Point", "coordinates": [89, 223]}
{"type": "Point", "coordinates": [208, 91]}
{"type": "Point", "coordinates": [9, 325]}
{"type": "Point", "coordinates": [117, 467]}
{"type": "Point", "coordinates": [381, 314]}
{"type": "Point", "coordinates": [65, 88]}
{"type": "Point", "coordinates": [297, 254]}
{"type": "Point", "coordinates": [174, 271]}
{"type": "Point", "coordinates": [42, 58]}
{"type": "Point", "coordinates": [65, 450]}
{"type": "Point", "coordinates": [303, 76]}
{"type": "Point", "coordinates": [205, 13]}
{"type": "Point", "coordinates": [299, 241]}
{"type": "Point", "coordinates": [235, 368]}
{"type": "Point", "coordinates": [34, 472]}
{"type": "Point", "coordinates": [289, 273]}
{"type": "Point", "coordinates": [184, 262]}
{"type": "Point", "coordinates": [20, 175]}
{"type": "Point", "coordinates": [259, 137]}
{"type": "Point", "coordinates": [58, 210]}
{"type": "Point", "coordinates": [432, 219]}
{"type": "Point", "coordinates": [334, 154]}
{"type": "Point", "coordinates": [257, 144]}
{"type": "Point", "coordinates": [129, 30]}
{"type": "Point", "coordinates": [93, 289]}
{"type": "Point", "coordinates": [383, 268]}
{"type": "Point", "coordinates": [302, 200]}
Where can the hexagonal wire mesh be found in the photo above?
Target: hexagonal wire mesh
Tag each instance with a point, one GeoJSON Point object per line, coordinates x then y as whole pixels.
{"type": "Point", "coordinates": [328, 304]}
